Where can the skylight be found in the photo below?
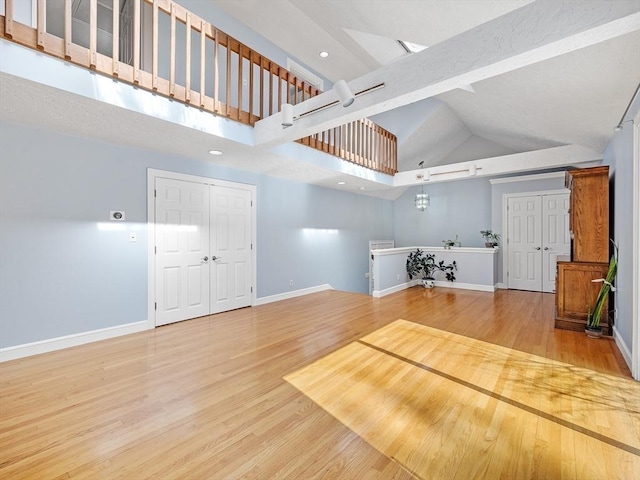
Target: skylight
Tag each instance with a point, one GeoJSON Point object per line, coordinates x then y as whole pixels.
{"type": "Point", "coordinates": [411, 47]}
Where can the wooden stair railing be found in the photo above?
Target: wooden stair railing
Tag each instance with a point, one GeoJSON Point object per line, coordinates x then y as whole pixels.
{"type": "Point", "coordinates": [198, 65]}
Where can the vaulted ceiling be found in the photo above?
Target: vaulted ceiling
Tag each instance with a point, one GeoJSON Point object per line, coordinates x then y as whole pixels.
{"type": "Point", "coordinates": [572, 98]}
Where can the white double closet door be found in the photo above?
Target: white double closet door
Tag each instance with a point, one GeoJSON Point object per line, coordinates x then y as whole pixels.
{"type": "Point", "coordinates": [203, 249]}
{"type": "Point", "coordinates": [537, 233]}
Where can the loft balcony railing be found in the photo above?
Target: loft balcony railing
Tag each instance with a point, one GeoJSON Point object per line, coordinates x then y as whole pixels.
{"type": "Point", "coordinates": [162, 47]}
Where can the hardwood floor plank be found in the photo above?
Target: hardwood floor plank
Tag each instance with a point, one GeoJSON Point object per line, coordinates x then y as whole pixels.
{"type": "Point", "coordinates": [518, 392]}
{"type": "Point", "coordinates": [206, 398]}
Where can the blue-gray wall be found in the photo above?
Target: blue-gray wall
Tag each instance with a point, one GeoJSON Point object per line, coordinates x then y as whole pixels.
{"type": "Point", "coordinates": [619, 156]}
{"type": "Point", "coordinates": [460, 208]}
{"type": "Point", "coordinates": [62, 273]}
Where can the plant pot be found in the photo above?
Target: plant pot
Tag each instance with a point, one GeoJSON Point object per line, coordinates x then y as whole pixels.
{"type": "Point", "coordinates": [428, 282]}
{"type": "Point", "coordinates": [488, 244]}
{"type": "Point", "coordinates": [593, 332]}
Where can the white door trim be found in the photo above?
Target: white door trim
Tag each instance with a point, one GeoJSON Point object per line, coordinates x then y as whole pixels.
{"type": "Point", "coordinates": [635, 284]}
{"type": "Point", "coordinates": [152, 174]}
{"type": "Point", "coordinates": [505, 224]}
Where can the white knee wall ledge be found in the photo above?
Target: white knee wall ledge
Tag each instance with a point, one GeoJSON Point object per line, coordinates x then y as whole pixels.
{"type": "Point", "coordinates": [477, 268]}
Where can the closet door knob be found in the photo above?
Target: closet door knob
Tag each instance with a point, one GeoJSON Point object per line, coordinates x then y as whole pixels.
{"type": "Point", "coordinates": [536, 248]}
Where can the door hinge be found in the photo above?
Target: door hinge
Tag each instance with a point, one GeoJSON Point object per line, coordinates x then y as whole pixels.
{"type": "Point", "coordinates": [252, 203]}
{"type": "Point", "coordinates": [155, 250]}
{"type": "Point", "coordinates": [252, 246]}
{"type": "Point", "coordinates": [155, 192]}
{"type": "Point", "coordinates": [155, 306]}
{"type": "Point", "coordinates": [251, 289]}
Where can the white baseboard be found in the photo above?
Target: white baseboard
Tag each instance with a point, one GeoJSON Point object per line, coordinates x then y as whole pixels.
{"type": "Point", "coordinates": [624, 349]}
{"type": "Point", "coordinates": [395, 288]}
{"type": "Point", "coordinates": [292, 294]}
{"type": "Point", "coordinates": [52, 344]}
{"type": "Point", "coordinates": [501, 286]}
{"type": "Point", "coordinates": [466, 286]}
{"type": "Point", "coordinates": [439, 283]}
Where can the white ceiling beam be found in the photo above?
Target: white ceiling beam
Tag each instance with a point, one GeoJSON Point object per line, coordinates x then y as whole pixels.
{"type": "Point", "coordinates": [536, 32]}
{"type": "Point", "coordinates": [548, 158]}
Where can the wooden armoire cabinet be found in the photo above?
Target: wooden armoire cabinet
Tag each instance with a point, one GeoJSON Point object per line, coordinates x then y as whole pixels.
{"type": "Point", "coordinates": [589, 226]}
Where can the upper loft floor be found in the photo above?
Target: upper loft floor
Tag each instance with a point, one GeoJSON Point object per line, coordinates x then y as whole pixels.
{"type": "Point", "coordinates": [161, 47]}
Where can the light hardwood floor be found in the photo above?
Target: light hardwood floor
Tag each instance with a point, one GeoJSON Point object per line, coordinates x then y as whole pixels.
{"type": "Point", "coordinates": [206, 398]}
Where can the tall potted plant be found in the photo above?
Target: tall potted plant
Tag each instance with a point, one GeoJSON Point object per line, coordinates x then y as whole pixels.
{"type": "Point", "coordinates": [421, 264]}
{"type": "Point", "coordinates": [594, 317]}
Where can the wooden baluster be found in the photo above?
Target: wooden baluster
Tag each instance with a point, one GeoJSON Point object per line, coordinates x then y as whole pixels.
{"type": "Point", "coordinates": [391, 161]}
{"type": "Point", "coordinates": [67, 29]}
{"type": "Point", "coordinates": [279, 89]}
{"type": "Point", "coordinates": [372, 143]}
{"type": "Point", "coordinates": [390, 155]}
{"type": "Point", "coordinates": [216, 70]}
{"type": "Point", "coordinates": [261, 96]}
{"type": "Point", "coordinates": [172, 53]}
{"type": "Point", "coordinates": [154, 47]}
{"type": "Point", "coordinates": [40, 19]}
{"type": "Point", "coordinates": [228, 85]}
{"type": "Point", "coordinates": [240, 81]}
{"type": "Point", "coordinates": [8, 18]}
{"type": "Point", "coordinates": [270, 90]}
{"type": "Point", "coordinates": [136, 41]}
{"type": "Point", "coordinates": [203, 61]}
{"type": "Point", "coordinates": [187, 73]}
{"type": "Point", "coordinates": [115, 46]}
{"type": "Point", "coordinates": [358, 142]}
{"type": "Point", "coordinates": [251, 122]}
{"type": "Point", "coordinates": [93, 33]}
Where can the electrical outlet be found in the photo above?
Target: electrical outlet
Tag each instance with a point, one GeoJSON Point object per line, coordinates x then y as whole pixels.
{"type": "Point", "coordinates": [398, 277]}
{"type": "Point", "coordinates": [366, 275]}
{"type": "Point", "coordinates": [291, 283]}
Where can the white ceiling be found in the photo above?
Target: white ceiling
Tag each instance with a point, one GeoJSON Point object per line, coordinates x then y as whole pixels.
{"type": "Point", "coordinates": [575, 98]}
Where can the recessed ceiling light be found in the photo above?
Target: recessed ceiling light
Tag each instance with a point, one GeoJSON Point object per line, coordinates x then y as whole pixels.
{"type": "Point", "coordinates": [342, 183]}
{"type": "Point", "coordinates": [323, 54]}
{"type": "Point", "coordinates": [215, 152]}
{"type": "Point", "coordinates": [362, 188]}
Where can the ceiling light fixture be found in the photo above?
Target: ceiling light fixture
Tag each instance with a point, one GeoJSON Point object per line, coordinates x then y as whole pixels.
{"type": "Point", "coordinates": [323, 54]}
{"type": "Point", "coordinates": [342, 182]}
{"type": "Point", "coordinates": [422, 200]}
{"type": "Point", "coordinates": [286, 110]}
{"type": "Point", "coordinates": [622, 121]}
{"type": "Point", "coordinates": [287, 117]}
{"type": "Point", "coordinates": [344, 93]}
{"type": "Point", "coordinates": [215, 152]}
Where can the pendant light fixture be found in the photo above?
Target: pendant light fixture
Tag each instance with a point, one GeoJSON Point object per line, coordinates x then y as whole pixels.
{"type": "Point", "coordinates": [422, 200]}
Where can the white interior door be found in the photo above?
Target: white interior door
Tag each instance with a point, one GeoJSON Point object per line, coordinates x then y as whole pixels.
{"type": "Point", "coordinates": [231, 248]}
{"type": "Point", "coordinates": [524, 235]}
{"type": "Point", "coordinates": [203, 249]}
{"type": "Point", "coordinates": [182, 249]}
{"type": "Point", "coordinates": [556, 240]}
